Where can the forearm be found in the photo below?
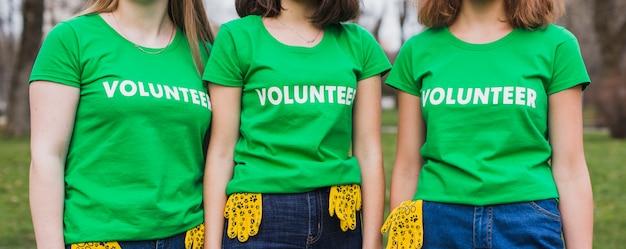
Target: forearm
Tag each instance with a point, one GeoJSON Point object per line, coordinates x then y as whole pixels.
{"type": "Point", "coordinates": [366, 147]}
{"type": "Point", "coordinates": [218, 173]}
{"type": "Point", "coordinates": [53, 111]}
{"type": "Point", "coordinates": [373, 195]}
{"type": "Point", "coordinates": [403, 184]}
{"type": "Point", "coordinates": [408, 160]}
{"type": "Point", "coordinates": [226, 103]}
{"type": "Point", "coordinates": [569, 167]}
{"type": "Point", "coordinates": [46, 189]}
{"type": "Point", "coordinates": [576, 206]}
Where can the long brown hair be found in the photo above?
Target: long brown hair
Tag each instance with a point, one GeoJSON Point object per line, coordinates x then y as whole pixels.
{"type": "Point", "coordinates": [188, 15]}
{"type": "Point", "coordinates": [327, 11]}
{"type": "Point", "coordinates": [527, 14]}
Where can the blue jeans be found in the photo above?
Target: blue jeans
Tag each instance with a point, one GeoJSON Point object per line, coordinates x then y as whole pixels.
{"type": "Point", "coordinates": [298, 221]}
{"type": "Point", "coordinates": [174, 242]}
{"type": "Point", "coordinates": [531, 225]}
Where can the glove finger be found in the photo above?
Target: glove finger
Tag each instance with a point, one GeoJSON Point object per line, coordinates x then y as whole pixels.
{"type": "Point", "coordinates": [358, 198]}
{"type": "Point", "coordinates": [255, 217]}
{"type": "Point", "coordinates": [228, 209]}
{"type": "Point", "coordinates": [242, 225]}
{"type": "Point", "coordinates": [332, 202]}
{"type": "Point", "coordinates": [232, 228]}
{"type": "Point", "coordinates": [243, 236]}
{"type": "Point", "coordinates": [391, 242]}
{"type": "Point", "coordinates": [387, 224]}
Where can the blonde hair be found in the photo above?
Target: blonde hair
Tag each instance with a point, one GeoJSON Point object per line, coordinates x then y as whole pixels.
{"type": "Point", "coordinates": [526, 14]}
{"type": "Point", "coordinates": [188, 15]}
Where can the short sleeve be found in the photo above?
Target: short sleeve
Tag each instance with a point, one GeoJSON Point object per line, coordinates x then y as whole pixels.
{"type": "Point", "coordinates": [569, 68]}
{"type": "Point", "coordinates": [375, 60]}
{"type": "Point", "coordinates": [58, 59]}
{"type": "Point", "coordinates": [223, 67]}
{"type": "Point", "coordinates": [401, 76]}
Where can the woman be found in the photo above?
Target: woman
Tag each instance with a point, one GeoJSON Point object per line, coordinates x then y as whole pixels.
{"type": "Point", "coordinates": [490, 129]}
{"type": "Point", "coordinates": [293, 89]}
{"type": "Point", "coordinates": [119, 113]}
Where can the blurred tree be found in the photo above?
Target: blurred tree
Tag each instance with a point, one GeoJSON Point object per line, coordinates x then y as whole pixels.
{"type": "Point", "coordinates": [59, 10]}
{"type": "Point", "coordinates": [17, 107]}
{"type": "Point", "coordinates": [8, 45]}
{"type": "Point", "coordinates": [610, 26]}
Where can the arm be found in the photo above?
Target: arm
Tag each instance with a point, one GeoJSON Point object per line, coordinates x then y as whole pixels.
{"type": "Point", "coordinates": [53, 110]}
{"type": "Point", "coordinates": [570, 168]}
{"type": "Point", "coordinates": [226, 103]}
{"type": "Point", "coordinates": [408, 163]}
{"type": "Point", "coordinates": [367, 149]}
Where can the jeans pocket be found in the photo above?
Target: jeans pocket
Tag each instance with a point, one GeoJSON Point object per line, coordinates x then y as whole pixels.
{"type": "Point", "coordinates": [548, 208]}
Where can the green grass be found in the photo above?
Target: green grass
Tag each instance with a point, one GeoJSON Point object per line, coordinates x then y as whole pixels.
{"type": "Point", "coordinates": [605, 158]}
{"type": "Point", "coordinates": [389, 117]}
{"type": "Point", "coordinates": [16, 230]}
{"type": "Point", "coordinates": [606, 161]}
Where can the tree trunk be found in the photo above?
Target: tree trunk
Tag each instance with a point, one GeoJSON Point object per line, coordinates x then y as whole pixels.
{"type": "Point", "coordinates": [17, 106]}
{"type": "Point", "coordinates": [612, 103]}
{"type": "Point", "coordinates": [7, 48]}
{"type": "Point", "coordinates": [611, 35]}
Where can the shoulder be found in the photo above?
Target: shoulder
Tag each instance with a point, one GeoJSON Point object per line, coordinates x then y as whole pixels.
{"type": "Point", "coordinates": [429, 35]}
{"type": "Point", "coordinates": [350, 30]}
{"type": "Point", "coordinates": [552, 32]}
{"type": "Point", "coordinates": [244, 23]}
{"type": "Point", "coordinates": [554, 29]}
{"type": "Point", "coordinates": [78, 26]}
{"type": "Point", "coordinates": [244, 29]}
{"type": "Point", "coordinates": [350, 33]}
{"type": "Point", "coordinates": [351, 27]}
{"type": "Point", "coordinates": [425, 41]}
{"type": "Point", "coordinates": [560, 32]}
{"type": "Point", "coordinates": [81, 22]}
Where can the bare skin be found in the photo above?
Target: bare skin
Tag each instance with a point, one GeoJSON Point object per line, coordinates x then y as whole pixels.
{"type": "Point", "coordinates": [293, 27]}
{"type": "Point", "coordinates": [53, 107]}
{"type": "Point", "coordinates": [480, 22]}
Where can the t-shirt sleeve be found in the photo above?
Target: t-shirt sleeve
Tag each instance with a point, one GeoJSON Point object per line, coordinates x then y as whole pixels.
{"type": "Point", "coordinates": [375, 60]}
{"type": "Point", "coordinates": [223, 67]}
{"type": "Point", "coordinates": [58, 58]}
{"type": "Point", "coordinates": [569, 68]}
{"type": "Point", "coordinates": [401, 75]}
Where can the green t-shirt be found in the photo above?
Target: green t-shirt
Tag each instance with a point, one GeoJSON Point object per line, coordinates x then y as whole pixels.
{"type": "Point", "coordinates": [486, 111]}
{"type": "Point", "coordinates": [135, 162]}
{"type": "Point", "coordinates": [296, 114]}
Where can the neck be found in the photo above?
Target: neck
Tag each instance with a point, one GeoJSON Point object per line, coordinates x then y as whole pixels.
{"type": "Point", "coordinates": [481, 21]}
{"type": "Point", "coordinates": [148, 19]}
{"type": "Point", "coordinates": [293, 25]}
{"type": "Point", "coordinates": [296, 11]}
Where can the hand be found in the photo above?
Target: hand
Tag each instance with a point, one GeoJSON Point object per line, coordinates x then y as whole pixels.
{"type": "Point", "coordinates": [243, 211]}
{"type": "Point", "coordinates": [405, 223]}
{"type": "Point", "coordinates": [345, 201]}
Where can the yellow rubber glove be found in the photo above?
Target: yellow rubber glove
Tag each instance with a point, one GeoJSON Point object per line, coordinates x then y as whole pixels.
{"type": "Point", "coordinates": [345, 201]}
{"type": "Point", "coordinates": [194, 238]}
{"type": "Point", "coordinates": [243, 211]}
{"type": "Point", "coordinates": [405, 224]}
{"type": "Point", "coordinates": [96, 245]}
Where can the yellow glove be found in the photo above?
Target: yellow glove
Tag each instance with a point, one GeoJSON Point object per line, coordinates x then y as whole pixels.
{"type": "Point", "coordinates": [345, 201]}
{"type": "Point", "coordinates": [405, 224]}
{"type": "Point", "coordinates": [96, 245]}
{"type": "Point", "coordinates": [194, 238]}
{"type": "Point", "coordinates": [243, 211]}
